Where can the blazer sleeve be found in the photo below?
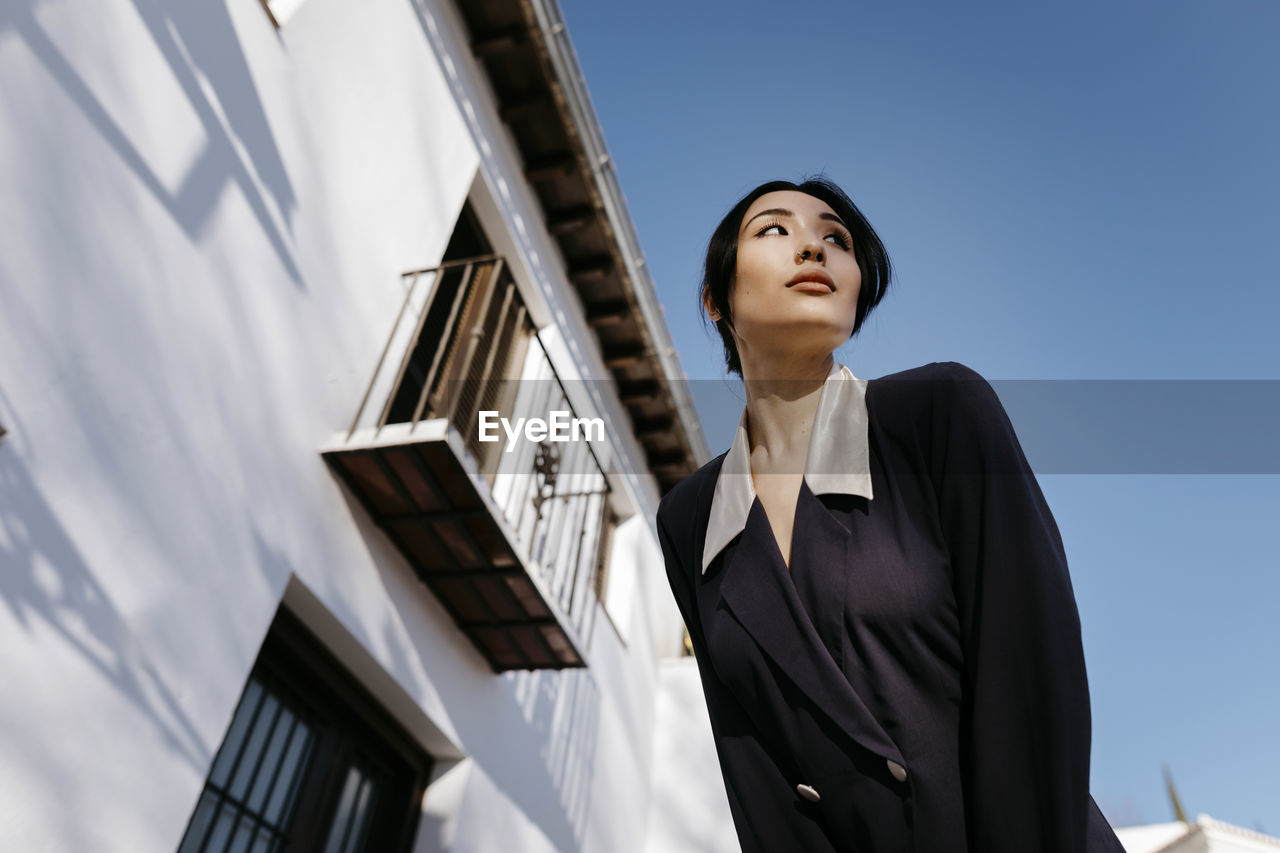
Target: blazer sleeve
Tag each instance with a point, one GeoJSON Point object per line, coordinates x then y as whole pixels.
{"type": "Point", "coordinates": [1025, 736]}
{"type": "Point", "coordinates": [761, 800]}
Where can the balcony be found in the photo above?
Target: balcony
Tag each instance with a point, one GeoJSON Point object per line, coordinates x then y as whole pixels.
{"type": "Point", "coordinates": [510, 541]}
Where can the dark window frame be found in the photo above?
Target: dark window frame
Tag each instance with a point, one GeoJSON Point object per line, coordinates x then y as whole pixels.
{"type": "Point", "coordinates": [353, 730]}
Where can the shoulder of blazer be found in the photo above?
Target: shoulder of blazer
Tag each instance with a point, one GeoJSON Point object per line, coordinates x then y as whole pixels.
{"type": "Point", "coordinates": [908, 401]}
{"type": "Point", "coordinates": [911, 389]}
{"type": "Point", "coordinates": [678, 511]}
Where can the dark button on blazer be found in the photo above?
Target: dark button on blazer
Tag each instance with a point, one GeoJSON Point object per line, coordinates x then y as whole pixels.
{"type": "Point", "coordinates": [916, 681]}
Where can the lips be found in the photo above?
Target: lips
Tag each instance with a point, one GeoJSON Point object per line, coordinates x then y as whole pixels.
{"type": "Point", "coordinates": [811, 280]}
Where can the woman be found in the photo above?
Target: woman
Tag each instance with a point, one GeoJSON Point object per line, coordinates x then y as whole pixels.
{"type": "Point", "coordinates": [875, 589]}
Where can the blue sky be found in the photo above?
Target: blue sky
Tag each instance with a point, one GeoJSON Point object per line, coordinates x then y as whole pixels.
{"type": "Point", "coordinates": [1082, 192]}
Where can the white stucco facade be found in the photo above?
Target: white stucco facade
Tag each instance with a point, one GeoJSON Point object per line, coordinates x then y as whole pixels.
{"type": "Point", "coordinates": [204, 226]}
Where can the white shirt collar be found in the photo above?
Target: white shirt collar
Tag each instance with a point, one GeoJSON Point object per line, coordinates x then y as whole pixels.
{"type": "Point", "coordinates": [838, 459]}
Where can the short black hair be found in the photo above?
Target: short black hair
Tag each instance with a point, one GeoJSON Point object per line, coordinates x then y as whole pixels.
{"type": "Point", "coordinates": [722, 257]}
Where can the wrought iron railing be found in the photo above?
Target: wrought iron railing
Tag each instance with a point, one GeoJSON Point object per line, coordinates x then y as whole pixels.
{"type": "Point", "coordinates": [465, 344]}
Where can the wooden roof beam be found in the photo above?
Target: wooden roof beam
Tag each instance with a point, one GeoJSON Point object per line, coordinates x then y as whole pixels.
{"type": "Point", "coordinates": [590, 266]}
{"type": "Point", "coordinates": [499, 42]}
{"type": "Point", "coordinates": [624, 355]}
{"type": "Point", "coordinates": [550, 168]}
{"type": "Point", "coordinates": [571, 219]}
{"type": "Point", "coordinates": [608, 313]}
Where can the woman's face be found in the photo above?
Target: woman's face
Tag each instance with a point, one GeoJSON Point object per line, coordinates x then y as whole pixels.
{"type": "Point", "coordinates": [797, 283]}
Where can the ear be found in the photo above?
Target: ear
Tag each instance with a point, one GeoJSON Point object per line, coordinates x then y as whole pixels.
{"type": "Point", "coordinates": [709, 305]}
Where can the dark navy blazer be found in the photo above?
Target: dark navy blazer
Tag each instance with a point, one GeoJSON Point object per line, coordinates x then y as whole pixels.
{"type": "Point", "coordinates": [916, 681]}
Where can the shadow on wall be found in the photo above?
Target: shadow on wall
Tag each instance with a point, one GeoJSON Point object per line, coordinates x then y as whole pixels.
{"type": "Point", "coordinates": [45, 580]}
{"type": "Point", "coordinates": [562, 707]}
{"type": "Point", "coordinates": [199, 43]}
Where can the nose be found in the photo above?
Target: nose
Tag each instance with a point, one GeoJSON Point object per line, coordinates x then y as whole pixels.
{"type": "Point", "coordinates": [811, 251]}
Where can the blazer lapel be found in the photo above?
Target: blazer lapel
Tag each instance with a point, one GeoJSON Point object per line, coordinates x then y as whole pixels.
{"type": "Point", "coordinates": [758, 591]}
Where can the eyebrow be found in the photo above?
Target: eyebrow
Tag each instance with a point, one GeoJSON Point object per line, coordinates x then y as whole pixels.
{"type": "Point", "coordinates": [782, 211]}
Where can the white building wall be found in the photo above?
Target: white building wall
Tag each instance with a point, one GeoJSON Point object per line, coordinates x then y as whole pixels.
{"type": "Point", "coordinates": [689, 806]}
{"type": "Point", "coordinates": [1205, 835]}
{"type": "Point", "coordinates": [203, 228]}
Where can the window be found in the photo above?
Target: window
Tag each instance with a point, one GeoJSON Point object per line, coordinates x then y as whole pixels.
{"type": "Point", "coordinates": [309, 762]}
{"type": "Point", "coordinates": [475, 334]}
{"type": "Point", "coordinates": [518, 554]}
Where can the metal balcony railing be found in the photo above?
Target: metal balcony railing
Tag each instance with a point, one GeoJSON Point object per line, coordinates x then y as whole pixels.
{"type": "Point", "coordinates": [509, 536]}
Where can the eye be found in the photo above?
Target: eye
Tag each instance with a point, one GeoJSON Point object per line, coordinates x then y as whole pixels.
{"type": "Point", "coordinates": [770, 227]}
{"type": "Point", "coordinates": [841, 239]}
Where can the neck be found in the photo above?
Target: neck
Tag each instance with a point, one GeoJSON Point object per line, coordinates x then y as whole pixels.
{"type": "Point", "coordinates": [761, 369]}
{"type": "Point", "coordinates": [781, 403]}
